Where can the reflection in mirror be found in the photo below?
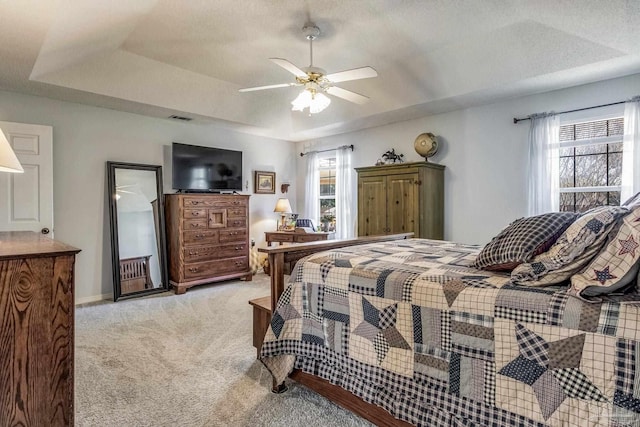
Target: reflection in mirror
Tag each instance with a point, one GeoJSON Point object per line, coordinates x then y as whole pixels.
{"type": "Point", "coordinates": [137, 229]}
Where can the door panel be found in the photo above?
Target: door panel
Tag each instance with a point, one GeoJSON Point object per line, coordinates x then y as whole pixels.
{"type": "Point", "coordinates": [26, 200]}
{"type": "Point", "coordinates": [402, 204]}
{"type": "Point", "coordinates": [372, 206]}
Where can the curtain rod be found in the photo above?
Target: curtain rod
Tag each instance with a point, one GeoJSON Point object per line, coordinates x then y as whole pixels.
{"type": "Point", "coordinates": [328, 149]}
{"type": "Point", "coordinates": [516, 120]}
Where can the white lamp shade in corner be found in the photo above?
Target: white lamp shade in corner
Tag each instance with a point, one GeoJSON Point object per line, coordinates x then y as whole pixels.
{"type": "Point", "coordinates": [8, 160]}
{"type": "Point", "coordinates": [283, 206]}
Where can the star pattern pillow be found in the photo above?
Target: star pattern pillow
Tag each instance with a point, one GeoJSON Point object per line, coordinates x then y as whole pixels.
{"type": "Point", "coordinates": [616, 265]}
{"type": "Point", "coordinates": [522, 240]}
{"type": "Point", "coordinates": [572, 251]}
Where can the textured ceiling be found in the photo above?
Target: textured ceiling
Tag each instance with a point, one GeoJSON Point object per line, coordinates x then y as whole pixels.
{"type": "Point", "coordinates": [162, 57]}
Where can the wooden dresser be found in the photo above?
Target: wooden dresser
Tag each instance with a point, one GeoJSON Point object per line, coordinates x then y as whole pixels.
{"type": "Point", "coordinates": [36, 330]}
{"type": "Point", "coordinates": [401, 198]}
{"type": "Point", "coordinates": [208, 238]}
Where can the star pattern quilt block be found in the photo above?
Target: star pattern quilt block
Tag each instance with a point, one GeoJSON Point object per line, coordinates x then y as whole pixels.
{"type": "Point", "coordinates": [382, 333]}
{"type": "Point", "coordinates": [557, 365]}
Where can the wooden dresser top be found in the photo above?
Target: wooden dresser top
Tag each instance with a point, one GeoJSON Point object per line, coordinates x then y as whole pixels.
{"type": "Point", "coordinates": [27, 244]}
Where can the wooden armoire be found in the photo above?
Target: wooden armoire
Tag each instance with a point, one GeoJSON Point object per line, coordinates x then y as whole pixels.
{"type": "Point", "coordinates": [401, 198]}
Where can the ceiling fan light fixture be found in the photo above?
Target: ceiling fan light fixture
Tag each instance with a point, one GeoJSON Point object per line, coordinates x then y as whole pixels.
{"type": "Point", "coordinates": [316, 81]}
{"type": "Point", "coordinates": [312, 99]}
{"type": "Point", "coordinates": [319, 102]}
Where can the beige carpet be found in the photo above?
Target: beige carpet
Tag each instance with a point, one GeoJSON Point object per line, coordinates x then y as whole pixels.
{"type": "Point", "coordinates": [185, 360]}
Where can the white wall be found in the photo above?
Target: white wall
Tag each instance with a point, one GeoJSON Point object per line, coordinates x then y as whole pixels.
{"type": "Point", "coordinates": [85, 137]}
{"type": "Point", "coordinates": [485, 154]}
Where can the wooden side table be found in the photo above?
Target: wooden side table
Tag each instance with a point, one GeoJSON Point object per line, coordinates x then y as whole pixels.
{"type": "Point", "coordinates": [295, 236]}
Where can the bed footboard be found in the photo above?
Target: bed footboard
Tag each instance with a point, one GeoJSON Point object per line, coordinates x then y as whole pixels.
{"type": "Point", "coordinates": [280, 255]}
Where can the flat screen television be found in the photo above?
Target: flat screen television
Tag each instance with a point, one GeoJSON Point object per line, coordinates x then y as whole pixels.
{"type": "Point", "coordinates": [206, 169]}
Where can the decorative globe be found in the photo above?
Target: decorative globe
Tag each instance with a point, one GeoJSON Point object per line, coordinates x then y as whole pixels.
{"type": "Point", "coordinates": [426, 145]}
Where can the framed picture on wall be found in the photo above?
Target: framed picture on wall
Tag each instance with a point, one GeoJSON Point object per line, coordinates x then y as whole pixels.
{"type": "Point", "coordinates": [264, 182]}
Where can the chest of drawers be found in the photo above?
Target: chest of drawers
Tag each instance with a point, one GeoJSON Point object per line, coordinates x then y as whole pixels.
{"type": "Point", "coordinates": [208, 238]}
{"type": "Point", "coordinates": [36, 330]}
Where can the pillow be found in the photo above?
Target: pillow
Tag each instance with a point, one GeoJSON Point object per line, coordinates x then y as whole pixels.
{"type": "Point", "coordinates": [616, 265]}
{"type": "Point", "coordinates": [572, 251]}
{"type": "Point", "coordinates": [522, 240]}
{"type": "Point", "coordinates": [632, 202]}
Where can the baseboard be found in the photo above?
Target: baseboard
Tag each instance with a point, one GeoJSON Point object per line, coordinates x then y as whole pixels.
{"type": "Point", "coordinates": [93, 298]}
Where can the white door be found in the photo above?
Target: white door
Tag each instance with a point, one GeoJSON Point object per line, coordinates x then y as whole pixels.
{"type": "Point", "coordinates": [26, 199]}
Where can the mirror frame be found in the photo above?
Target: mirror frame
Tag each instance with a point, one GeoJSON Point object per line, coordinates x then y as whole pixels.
{"type": "Point", "coordinates": [115, 248]}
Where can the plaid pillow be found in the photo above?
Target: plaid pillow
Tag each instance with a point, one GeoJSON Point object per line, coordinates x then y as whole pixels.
{"type": "Point", "coordinates": [522, 240]}
{"type": "Point", "coordinates": [616, 265]}
{"type": "Point", "coordinates": [573, 250]}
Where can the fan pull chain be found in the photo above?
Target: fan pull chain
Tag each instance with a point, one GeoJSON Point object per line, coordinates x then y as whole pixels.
{"type": "Point", "coordinates": [311, 51]}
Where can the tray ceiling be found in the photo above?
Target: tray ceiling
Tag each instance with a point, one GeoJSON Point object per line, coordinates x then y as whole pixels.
{"type": "Point", "coordinates": [161, 57]}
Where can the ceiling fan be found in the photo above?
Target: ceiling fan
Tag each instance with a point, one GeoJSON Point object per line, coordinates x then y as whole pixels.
{"type": "Point", "coordinates": [316, 81]}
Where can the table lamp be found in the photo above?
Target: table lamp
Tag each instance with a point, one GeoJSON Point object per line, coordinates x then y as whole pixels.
{"type": "Point", "coordinates": [8, 160]}
{"type": "Point", "coordinates": [283, 207]}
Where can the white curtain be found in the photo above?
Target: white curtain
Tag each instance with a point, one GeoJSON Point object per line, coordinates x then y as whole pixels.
{"type": "Point", "coordinates": [345, 195]}
{"type": "Point", "coordinates": [631, 150]}
{"type": "Point", "coordinates": [312, 189]}
{"type": "Point", "coordinates": [544, 164]}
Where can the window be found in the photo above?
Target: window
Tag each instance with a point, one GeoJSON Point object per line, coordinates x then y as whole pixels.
{"type": "Point", "coordinates": [590, 164]}
{"type": "Point", "coordinates": [327, 167]}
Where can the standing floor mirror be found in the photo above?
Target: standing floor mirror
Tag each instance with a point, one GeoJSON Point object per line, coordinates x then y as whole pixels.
{"type": "Point", "coordinates": [137, 229]}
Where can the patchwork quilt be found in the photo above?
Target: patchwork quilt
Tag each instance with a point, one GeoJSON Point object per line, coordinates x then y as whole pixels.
{"type": "Point", "coordinates": [409, 326]}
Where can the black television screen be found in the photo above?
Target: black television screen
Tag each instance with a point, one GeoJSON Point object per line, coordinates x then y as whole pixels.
{"type": "Point", "coordinates": [197, 168]}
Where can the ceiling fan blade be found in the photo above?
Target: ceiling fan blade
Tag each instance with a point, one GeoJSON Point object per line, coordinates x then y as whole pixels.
{"type": "Point", "coordinates": [347, 94]}
{"type": "Point", "coordinates": [251, 89]}
{"type": "Point", "coordinates": [355, 74]}
{"type": "Point", "coordinates": [289, 67]}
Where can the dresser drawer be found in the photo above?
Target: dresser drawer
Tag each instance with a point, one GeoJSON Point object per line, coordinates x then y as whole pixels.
{"type": "Point", "coordinates": [194, 213]}
{"type": "Point", "coordinates": [200, 236]}
{"type": "Point", "coordinates": [233, 235]}
{"type": "Point", "coordinates": [194, 224]}
{"type": "Point", "coordinates": [237, 212]}
{"type": "Point", "coordinates": [281, 237]}
{"type": "Point", "coordinates": [301, 238]}
{"type": "Point", "coordinates": [198, 202]}
{"type": "Point", "coordinates": [232, 202]}
{"type": "Point", "coordinates": [236, 222]}
{"type": "Point", "coordinates": [211, 268]}
{"type": "Point", "coordinates": [209, 252]}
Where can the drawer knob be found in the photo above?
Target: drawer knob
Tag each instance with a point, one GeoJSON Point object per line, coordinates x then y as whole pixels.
{"type": "Point", "coordinates": [193, 269]}
{"type": "Point", "coordinates": [193, 252]}
{"type": "Point", "coordinates": [199, 236]}
{"type": "Point", "coordinates": [194, 225]}
{"type": "Point", "coordinates": [195, 202]}
{"type": "Point", "coordinates": [196, 213]}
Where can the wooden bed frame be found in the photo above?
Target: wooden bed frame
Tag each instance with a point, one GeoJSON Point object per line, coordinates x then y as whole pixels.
{"type": "Point", "coordinates": [263, 307]}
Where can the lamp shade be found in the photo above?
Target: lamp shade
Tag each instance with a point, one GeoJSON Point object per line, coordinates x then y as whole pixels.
{"type": "Point", "coordinates": [283, 206]}
{"type": "Point", "coordinates": [8, 160]}
{"type": "Point", "coordinates": [310, 98]}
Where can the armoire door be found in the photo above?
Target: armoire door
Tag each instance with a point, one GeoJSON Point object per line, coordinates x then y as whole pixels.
{"type": "Point", "coordinates": [372, 206]}
{"type": "Point", "coordinates": [402, 204]}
